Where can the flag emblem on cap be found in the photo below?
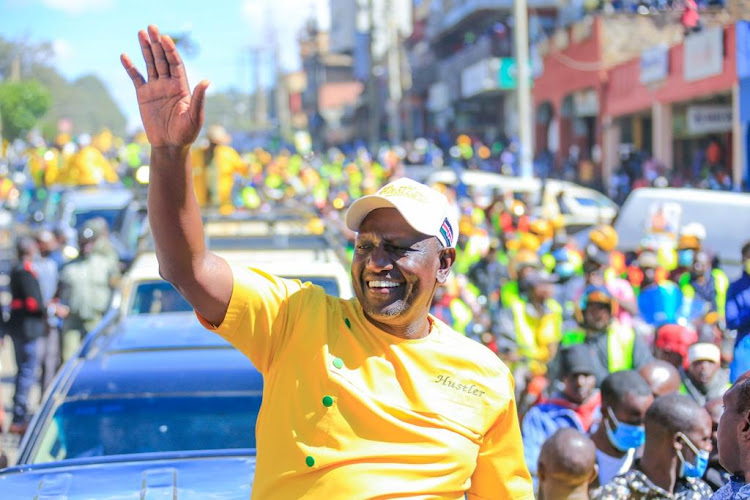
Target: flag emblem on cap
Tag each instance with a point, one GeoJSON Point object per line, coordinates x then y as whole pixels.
{"type": "Point", "coordinates": [447, 231]}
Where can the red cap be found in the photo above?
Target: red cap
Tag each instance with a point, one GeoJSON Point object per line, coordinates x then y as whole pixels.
{"type": "Point", "coordinates": [675, 338]}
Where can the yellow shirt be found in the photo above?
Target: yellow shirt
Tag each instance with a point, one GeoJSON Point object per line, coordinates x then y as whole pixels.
{"type": "Point", "coordinates": [352, 412]}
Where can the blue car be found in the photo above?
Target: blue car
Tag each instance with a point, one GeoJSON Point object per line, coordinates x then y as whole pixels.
{"type": "Point", "coordinates": [141, 388]}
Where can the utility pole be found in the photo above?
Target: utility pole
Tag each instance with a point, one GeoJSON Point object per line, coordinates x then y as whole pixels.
{"type": "Point", "coordinates": [282, 97]}
{"type": "Point", "coordinates": [521, 38]}
{"type": "Point", "coordinates": [373, 107]}
{"type": "Point", "coordinates": [394, 75]}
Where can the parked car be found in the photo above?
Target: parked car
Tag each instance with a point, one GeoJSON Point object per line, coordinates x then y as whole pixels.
{"type": "Point", "coordinates": [146, 384]}
{"type": "Point", "coordinates": [723, 214]}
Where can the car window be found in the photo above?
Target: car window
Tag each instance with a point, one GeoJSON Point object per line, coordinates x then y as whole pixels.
{"type": "Point", "coordinates": [141, 424]}
{"type": "Point", "coordinates": [157, 297]}
{"type": "Point", "coordinates": [112, 216]}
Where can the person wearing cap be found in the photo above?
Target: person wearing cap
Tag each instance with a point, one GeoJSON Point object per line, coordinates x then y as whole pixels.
{"type": "Point", "coordinates": [671, 344]}
{"type": "Point", "coordinates": [625, 399]}
{"type": "Point", "coordinates": [567, 466]}
{"type": "Point", "coordinates": [738, 316]}
{"type": "Point", "coordinates": [598, 258]}
{"type": "Point", "coordinates": [612, 346]}
{"type": "Point", "coordinates": [688, 245]}
{"type": "Point", "coordinates": [704, 379]}
{"type": "Point", "coordinates": [733, 439]}
{"type": "Point", "coordinates": [675, 455]}
{"type": "Point", "coordinates": [214, 168]}
{"type": "Point", "coordinates": [369, 396]}
{"type": "Point", "coordinates": [86, 286]}
{"type": "Point", "coordinates": [659, 301]}
{"type": "Point", "coordinates": [575, 406]}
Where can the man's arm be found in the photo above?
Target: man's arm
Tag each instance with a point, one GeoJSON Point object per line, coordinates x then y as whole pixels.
{"type": "Point", "coordinates": [172, 119]}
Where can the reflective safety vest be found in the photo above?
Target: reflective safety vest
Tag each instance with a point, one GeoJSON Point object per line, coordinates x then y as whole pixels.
{"type": "Point", "coordinates": [535, 335]}
{"type": "Point", "coordinates": [462, 315]}
{"type": "Point", "coordinates": [721, 283]}
{"type": "Point", "coordinates": [620, 345]}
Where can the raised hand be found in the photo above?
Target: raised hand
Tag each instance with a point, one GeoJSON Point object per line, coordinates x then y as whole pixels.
{"type": "Point", "coordinates": [171, 116]}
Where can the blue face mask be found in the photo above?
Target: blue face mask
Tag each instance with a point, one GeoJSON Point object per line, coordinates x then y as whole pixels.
{"type": "Point", "coordinates": [701, 460]}
{"type": "Point", "coordinates": [624, 436]}
{"type": "Point", "coordinates": [685, 258]}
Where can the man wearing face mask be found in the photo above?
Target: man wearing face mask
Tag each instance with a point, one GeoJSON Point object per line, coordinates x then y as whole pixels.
{"type": "Point", "coordinates": [738, 316]}
{"type": "Point", "coordinates": [675, 456]}
{"type": "Point", "coordinates": [612, 346]}
{"type": "Point", "coordinates": [625, 399]}
{"type": "Point", "coordinates": [703, 289]}
{"type": "Point", "coordinates": [688, 245]}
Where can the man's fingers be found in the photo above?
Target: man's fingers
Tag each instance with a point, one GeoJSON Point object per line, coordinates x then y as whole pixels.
{"type": "Point", "coordinates": [148, 56]}
{"type": "Point", "coordinates": [198, 101]}
{"type": "Point", "coordinates": [173, 57]}
{"type": "Point", "coordinates": [162, 66]}
{"type": "Point", "coordinates": [134, 74]}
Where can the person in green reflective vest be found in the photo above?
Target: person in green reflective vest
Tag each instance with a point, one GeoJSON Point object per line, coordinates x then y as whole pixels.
{"type": "Point", "coordinates": [613, 346]}
{"type": "Point", "coordinates": [703, 289]}
{"type": "Point", "coordinates": [529, 331]}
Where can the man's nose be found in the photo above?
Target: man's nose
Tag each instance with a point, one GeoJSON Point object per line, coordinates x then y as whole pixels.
{"type": "Point", "coordinates": [379, 259]}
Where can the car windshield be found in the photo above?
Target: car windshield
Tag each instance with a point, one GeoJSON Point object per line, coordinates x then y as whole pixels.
{"type": "Point", "coordinates": [161, 297]}
{"type": "Point", "coordinates": [157, 297]}
{"type": "Point", "coordinates": [144, 424]}
{"type": "Point", "coordinates": [112, 217]}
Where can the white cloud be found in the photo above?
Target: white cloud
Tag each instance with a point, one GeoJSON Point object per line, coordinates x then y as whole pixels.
{"type": "Point", "coordinates": [78, 6]}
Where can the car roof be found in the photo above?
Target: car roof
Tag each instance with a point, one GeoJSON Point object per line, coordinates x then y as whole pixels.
{"type": "Point", "coordinates": [166, 353]}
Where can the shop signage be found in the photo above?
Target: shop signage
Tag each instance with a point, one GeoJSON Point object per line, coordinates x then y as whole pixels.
{"type": "Point", "coordinates": [709, 119]}
{"type": "Point", "coordinates": [654, 64]}
{"type": "Point", "coordinates": [704, 54]}
{"type": "Point", "coordinates": [480, 77]}
{"type": "Point", "coordinates": [586, 103]}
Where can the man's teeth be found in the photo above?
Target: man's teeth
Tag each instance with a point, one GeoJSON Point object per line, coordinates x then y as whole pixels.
{"type": "Point", "coordinates": [383, 284]}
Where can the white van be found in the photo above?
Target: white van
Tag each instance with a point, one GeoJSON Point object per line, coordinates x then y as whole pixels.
{"type": "Point", "coordinates": [581, 207]}
{"type": "Point", "coordinates": [725, 215]}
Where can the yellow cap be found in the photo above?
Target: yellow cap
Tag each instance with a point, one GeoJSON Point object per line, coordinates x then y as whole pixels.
{"type": "Point", "coordinates": [604, 237]}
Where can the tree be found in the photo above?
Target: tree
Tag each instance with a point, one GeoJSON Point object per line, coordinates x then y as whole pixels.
{"type": "Point", "coordinates": [22, 104]}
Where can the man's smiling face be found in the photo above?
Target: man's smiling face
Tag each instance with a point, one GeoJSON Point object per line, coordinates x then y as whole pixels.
{"type": "Point", "coordinates": [396, 269]}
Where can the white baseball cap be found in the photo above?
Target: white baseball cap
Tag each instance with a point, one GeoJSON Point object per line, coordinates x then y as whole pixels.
{"type": "Point", "coordinates": [425, 209]}
{"type": "Point", "coordinates": [704, 351]}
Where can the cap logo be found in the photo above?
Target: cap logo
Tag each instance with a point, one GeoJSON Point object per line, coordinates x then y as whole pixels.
{"type": "Point", "coordinates": [405, 191]}
{"type": "Point", "coordinates": [447, 231]}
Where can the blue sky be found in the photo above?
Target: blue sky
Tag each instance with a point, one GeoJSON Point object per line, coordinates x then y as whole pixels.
{"type": "Point", "coordinates": [89, 35]}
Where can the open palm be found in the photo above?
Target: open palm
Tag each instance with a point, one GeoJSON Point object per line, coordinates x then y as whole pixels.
{"type": "Point", "coordinates": [171, 116]}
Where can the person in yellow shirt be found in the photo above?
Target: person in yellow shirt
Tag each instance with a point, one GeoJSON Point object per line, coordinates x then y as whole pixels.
{"type": "Point", "coordinates": [364, 398]}
{"type": "Point", "coordinates": [87, 166]}
{"type": "Point", "coordinates": [214, 168]}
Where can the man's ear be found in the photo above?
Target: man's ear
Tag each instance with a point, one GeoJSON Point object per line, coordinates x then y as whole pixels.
{"type": "Point", "coordinates": [594, 474]}
{"type": "Point", "coordinates": [447, 258]}
{"type": "Point", "coordinates": [540, 471]}
{"type": "Point", "coordinates": [744, 426]}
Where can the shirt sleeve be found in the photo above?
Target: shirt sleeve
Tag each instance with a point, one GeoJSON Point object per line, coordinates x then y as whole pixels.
{"type": "Point", "coordinates": [260, 315]}
{"type": "Point", "coordinates": [501, 471]}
